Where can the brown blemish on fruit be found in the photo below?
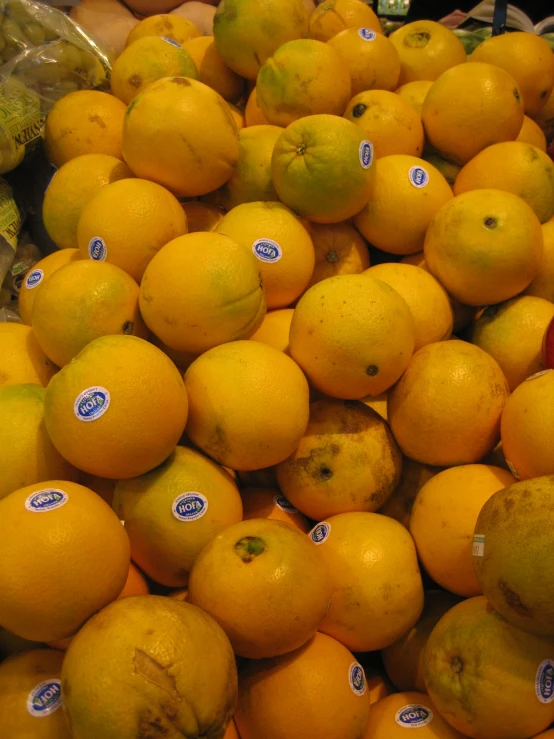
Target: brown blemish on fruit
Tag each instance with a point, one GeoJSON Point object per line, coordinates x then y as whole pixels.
{"type": "Point", "coordinates": [372, 370]}
{"type": "Point", "coordinates": [457, 665]}
{"type": "Point", "coordinates": [135, 80]}
{"type": "Point", "coordinates": [128, 327]}
{"type": "Point", "coordinates": [181, 81]}
{"type": "Point", "coordinates": [332, 257]}
{"type": "Point", "coordinates": [490, 222]}
{"type": "Point", "coordinates": [93, 118]}
{"type": "Point", "coordinates": [513, 600]}
{"type": "Point", "coordinates": [417, 40]}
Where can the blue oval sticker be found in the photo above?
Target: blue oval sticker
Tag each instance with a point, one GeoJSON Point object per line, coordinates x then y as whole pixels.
{"type": "Point", "coordinates": [45, 698]}
{"type": "Point", "coordinates": [34, 278]}
{"type": "Point", "coordinates": [544, 682]}
{"type": "Point", "coordinates": [366, 154]}
{"type": "Point", "coordinates": [320, 532]}
{"type": "Point", "coordinates": [418, 176]}
{"type": "Point", "coordinates": [282, 503]}
{"type": "Point", "coordinates": [267, 250]}
{"type": "Point", "coordinates": [367, 34]}
{"type": "Point", "coordinates": [356, 678]}
{"type": "Point", "coordinates": [189, 506]}
{"type": "Point", "coordinates": [414, 716]}
{"type": "Point", "coordinates": [172, 42]}
{"type": "Point", "coordinates": [91, 403]}
{"type": "Point", "coordinates": [97, 249]}
{"type": "Point", "coordinates": [46, 500]}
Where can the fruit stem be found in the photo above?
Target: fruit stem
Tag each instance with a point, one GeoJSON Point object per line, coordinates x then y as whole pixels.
{"type": "Point", "coordinates": [249, 547]}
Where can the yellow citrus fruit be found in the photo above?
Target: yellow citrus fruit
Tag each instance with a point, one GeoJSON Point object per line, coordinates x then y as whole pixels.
{"type": "Point", "coordinates": [377, 403]}
{"type": "Point", "coordinates": [408, 194]}
{"type": "Point", "coordinates": [127, 223]}
{"type": "Point", "coordinates": [303, 77]}
{"type": "Point", "coordinates": [333, 16]}
{"type": "Point", "coordinates": [378, 685]}
{"type": "Point", "coordinates": [531, 133]}
{"type": "Point", "coordinates": [426, 298]}
{"type": "Point", "coordinates": [352, 335]}
{"type": "Point", "coordinates": [231, 732]}
{"type": "Point", "coordinates": [82, 301]}
{"type": "Point", "coordinates": [248, 404]}
{"type": "Point", "coordinates": [322, 168]}
{"type": "Point", "coordinates": [37, 275]}
{"type": "Point", "coordinates": [274, 329]}
{"type": "Point", "coordinates": [391, 716]}
{"type": "Point", "coordinates": [251, 179]}
{"type": "Point", "coordinates": [165, 513]}
{"type": "Point", "coordinates": [212, 70]}
{"type": "Point", "coordinates": [166, 138]}
{"type": "Point", "coordinates": [71, 188]}
{"type": "Point", "coordinates": [426, 50]}
{"type": "Point", "coordinates": [545, 118]}
{"type": "Point", "coordinates": [31, 696]}
{"type": "Point", "coordinates": [84, 122]}
{"type": "Point", "coordinates": [201, 290]}
{"type": "Point", "coordinates": [116, 382]}
{"type": "Point", "coordinates": [270, 571]}
{"type": "Point", "coordinates": [346, 461]}
{"type": "Point", "coordinates": [527, 427]}
{"type": "Point", "coordinates": [271, 504]}
{"type": "Point", "coordinates": [165, 25]}
{"type": "Point", "coordinates": [513, 333]}
{"type": "Point", "coordinates": [377, 589]}
{"type": "Point", "coordinates": [253, 115]}
{"type": "Point", "coordinates": [470, 107]}
{"type": "Point", "coordinates": [448, 169]}
{"type": "Point", "coordinates": [371, 58]}
{"type": "Point", "coordinates": [467, 652]}
{"type": "Point", "coordinates": [443, 520]}
{"type": "Point", "coordinates": [528, 58]}
{"type": "Point", "coordinates": [22, 360]}
{"type": "Point", "coordinates": [237, 115]}
{"type": "Point", "coordinates": [28, 455]}
{"type": "Point", "coordinates": [414, 476]}
{"type": "Point", "coordinates": [417, 259]}
{"type": "Point", "coordinates": [339, 250]}
{"type": "Point", "coordinates": [201, 216]}
{"type": "Point", "coordinates": [414, 93]}
{"type": "Point", "coordinates": [403, 660]}
{"type": "Point", "coordinates": [280, 243]}
{"type": "Point", "coordinates": [335, 702]}
{"type": "Point", "coordinates": [391, 124]}
{"type": "Point", "coordinates": [170, 667]}
{"type": "Point", "coordinates": [515, 167]}
{"type": "Point", "coordinates": [543, 284]}
{"type": "Point", "coordinates": [77, 533]}
{"type": "Point", "coordinates": [445, 409]}
{"type": "Point", "coordinates": [484, 246]}
{"type": "Point", "coordinates": [247, 32]}
{"type": "Point", "coordinates": [146, 60]}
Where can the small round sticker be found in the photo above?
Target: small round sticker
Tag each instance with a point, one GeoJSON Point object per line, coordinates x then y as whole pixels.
{"type": "Point", "coordinates": [91, 403]}
{"type": "Point", "coordinates": [172, 42]}
{"type": "Point", "coordinates": [413, 716]}
{"type": "Point", "coordinates": [320, 532]}
{"type": "Point", "coordinates": [366, 154]}
{"type": "Point", "coordinates": [544, 681]}
{"type": "Point", "coordinates": [97, 249]}
{"type": "Point", "coordinates": [267, 250]}
{"type": "Point", "coordinates": [537, 374]}
{"type": "Point", "coordinates": [46, 500]}
{"type": "Point", "coordinates": [418, 176]}
{"type": "Point", "coordinates": [189, 506]}
{"type": "Point", "coordinates": [282, 503]}
{"type": "Point", "coordinates": [34, 278]}
{"type": "Point", "coordinates": [45, 698]}
{"type": "Point", "coordinates": [356, 678]}
{"type": "Point", "coordinates": [367, 34]}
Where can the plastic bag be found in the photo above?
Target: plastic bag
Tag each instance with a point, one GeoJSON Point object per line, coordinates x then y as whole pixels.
{"type": "Point", "coordinates": [10, 225]}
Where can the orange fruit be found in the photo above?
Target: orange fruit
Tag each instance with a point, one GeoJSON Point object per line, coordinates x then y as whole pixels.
{"type": "Point", "coordinates": [346, 461]}
{"type": "Point", "coordinates": [515, 167]}
{"type": "Point", "coordinates": [542, 286]}
{"type": "Point", "coordinates": [531, 133]}
{"type": "Point", "coordinates": [22, 360]}
{"type": "Point", "coordinates": [426, 50]}
{"type": "Point", "coordinates": [271, 504]}
{"type": "Point", "coordinates": [445, 410]}
{"type": "Point", "coordinates": [239, 390]}
{"type": "Point", "coordinates": [167, 26]}
{"type": "Point", "coordinates": [527, 427]}
{"type": "Point", "coordinates": [391, 124]}
{"type": "Point", "coordinates": [270, 571]}
{"type": "Point", "coordinates": [212, 70]}
{"type": "Point", "coordinates": [426, 298]}
{"type": "Point", "coordinates": [414, 93]}
{"type": "Point", "coordinates": [84, 122]}
{"type": "Point", "coordinates": [513, 333]}
{"type": "Point", "coordinates": [201, 290]}
{"type": "Point", "coordinates": [333, 16]}
{"type": "Point", "coordinates": [281, 245]}
{"type": "Point", "coordinates": [484, 246]}
{"type": "Point", "coordinates": [85, 544]}
{"type": "Point", "coordinates": [166, 139]}
{"type": "Point", "coordinates": [377, 589]}
{"type": "Point", "coordinates": [96, 395]}
{"type": "Point", "coordinates": [391, 716]}
{"type": "Point", "coordinates": [408, 194]}
{"type": "Point", "coordinates": [371, 58]}
{"type": "Point", "coordinates": [448, 169]}
{"type": "Point", "coordinates": [339, 250]}
{"type": "Point", "coordinates": [231, 732]}
{"type": "Point", "coordinates": [237, 114]}
{"type": "Point", "coordinates": [201, 216]}
{"type": "Point", "coordinates": [470, 107]}
{"type": "Point", "coordinates": [414, 475]}
{"type": "Point", "coordinates": [545, 118]}
{"type": "Point", "coordinates": [253, 113]}
{"type": "Point", "coordinates": [37, 275]}
{"type": "Point", "coordinates": [341, 336]}
{"type": "Point", "coordinates": [274, 329]}
{"type": "Point", "coordinates": [443, 520]}
{"type": "Point", "coordinates": [528, 58]}
{"type": "Point", "coordinates": [135, 583]}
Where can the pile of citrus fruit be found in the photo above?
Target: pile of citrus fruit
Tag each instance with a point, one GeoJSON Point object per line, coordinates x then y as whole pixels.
{"type": "Point", "coordinates": [277, 429]}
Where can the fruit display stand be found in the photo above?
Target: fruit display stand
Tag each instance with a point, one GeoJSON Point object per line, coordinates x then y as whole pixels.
{"type": "Point", "coordinates": [276, 372]}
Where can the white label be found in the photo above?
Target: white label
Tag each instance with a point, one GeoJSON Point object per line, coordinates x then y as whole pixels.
{"type": "Point", "coordinates": [367, 34]}
{"type": "Point", "coordinates": [418, 176]}
{"type": "Point", "coordinates": [91, 403]}
{"type": "Point", "coordinates": [320, 532]}
{"type": "Point", "coordinates": [97, 249]}
{"type": "Point", "coordinates": [366, 154]}
{"type": "Point", "coordinates": [512, 469]}
{"type": "Point", "coordinates": [282, 503]}
{"type": "Point", "coordinates": [538, 374]}
{"type": "Point", "coordinates": [172, 42]}
{"type": "Point", "coordinates": [46, 500]}
{"type": "Point", "coordinates": [45, 698]}
{"type": "Point", "coordinates": [413, 716]}
{"type": "Point", "coordinates": [544, 681]}
{"type": "Point", "coordinates": [356, 678]}
{"type": "Point", "coordinates": [34, 279]}
{"type": "Point", "coordinates": [478, 545]}
{"type": "Point", "coordinates": [267, 250]}
{"type": "Point", "coordinates": [190, 506]}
